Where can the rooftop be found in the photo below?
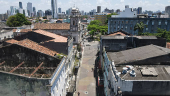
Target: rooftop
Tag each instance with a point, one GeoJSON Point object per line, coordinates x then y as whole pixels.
{"type": "Point", "coordinates": [146, 72]}
{"type": "Point", "coordinates": [33, 45]}
{"type": "Point", "coordinates": [21, 61]}
{"type": "Point", "coordinates": [137, 54]}
{"type": "Point", "coordinates": [52, 26]}
{"type": "Point", "coordinates": [22, 30]}
{"type": "Point", "coordinates": [57, 38]}
{"type": "Point", "coordinates": [121, 32]}
{"type": "Point", "coordinates": [113, 37]}
{"type": "Point", "coordinates": [146, 37]}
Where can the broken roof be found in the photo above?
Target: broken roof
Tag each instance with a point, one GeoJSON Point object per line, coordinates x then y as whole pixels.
{"type": "Point", "coordinates": [33, 45]}
{"type": "Point", "coordinates": [52, 26]}
{"type": "Point", "coordinates": [137, 54]}
{"type": "Point", "coordinates": [57, 38]}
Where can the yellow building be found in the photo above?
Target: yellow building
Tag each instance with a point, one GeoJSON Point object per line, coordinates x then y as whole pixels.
{"type": "Point", "coordinates": [101, 17]}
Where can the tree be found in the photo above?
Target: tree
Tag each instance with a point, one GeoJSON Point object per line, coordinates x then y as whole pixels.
{"type": "Point", "coordinates": [163, 34]}
{"type": "Point", "coordinates": [96, 22]}
{"type": "Point", "coordinates": [92, 33]}
{"type": "Point", "coordinates": [17, 20]}
{"type": "Point", "coordinates": [139, 26]}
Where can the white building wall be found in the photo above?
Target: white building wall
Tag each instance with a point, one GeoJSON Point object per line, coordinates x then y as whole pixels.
{"type": "Point", "coordinates": [128, 13]}
{"type": "Point", "coordinates": [6, 35]}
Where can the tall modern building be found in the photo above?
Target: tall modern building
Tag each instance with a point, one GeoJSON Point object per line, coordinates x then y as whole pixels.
{"type": "Point", "coordinates": [139, 10]}
{"type": "Point", "coordinates": [167, 10]}
{"type": "Point", "coordinates": [20, 5]}
{"type": "Point", "coordinates": [13, 10]}
{"type": "Point", "coordinates": [48, 12]}
{"type": "Point", "coordinates": [59, 10]}
{"type": "Point", "coordinates": [29, 8]}
{"type": "Point", "coordinates": [54, 8]}
{"type": "Point", "coordinates": [98, 9]}
{"type": "Point", "coordinates": [34, 11]}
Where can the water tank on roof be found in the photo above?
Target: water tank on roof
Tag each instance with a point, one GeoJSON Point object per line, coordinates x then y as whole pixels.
{"type": "Point", "coordinates": [124, 70]}
{"type": "Point", "coordinates": [132, 73]}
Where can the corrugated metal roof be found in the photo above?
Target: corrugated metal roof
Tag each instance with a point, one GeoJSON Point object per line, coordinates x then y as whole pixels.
{"type": "Point", "coordinates": [136, 54]}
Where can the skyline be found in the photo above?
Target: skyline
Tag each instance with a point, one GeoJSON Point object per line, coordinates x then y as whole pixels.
{"type": "Point", "coordinates": [87, 5]}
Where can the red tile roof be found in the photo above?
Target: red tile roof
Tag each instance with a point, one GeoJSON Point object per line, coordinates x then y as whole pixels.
{"type": "Point", "coordinates": [117, 33]}
{"type": "Point", "coordinates": [22, 30]}
{"type": "Point", "coordinates": [168, 45]}
{"type": "Point", "coordinates": [33, 45]}
{"type": "Point", "coordinates": [53, 26]}
{"type": "Point", "coordinates": [57, 38]}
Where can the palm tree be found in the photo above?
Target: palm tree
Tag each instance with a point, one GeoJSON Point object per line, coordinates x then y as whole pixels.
{"type": "Point", "coordinates": [139, 26]}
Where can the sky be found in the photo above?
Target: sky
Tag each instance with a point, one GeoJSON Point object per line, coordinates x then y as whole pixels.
{"type": "Point", "coordinates": [87, 5]}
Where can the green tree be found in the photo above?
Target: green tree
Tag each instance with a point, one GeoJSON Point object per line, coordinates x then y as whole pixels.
{"type": "Point", "coordinates": [163, 34]}
{"type": "Point", "coordinates": [139, 26]}
{"type": "Point", "coordinates": [17, 20]}
{"type": "Point", "coordinates": [96, 22]}
{"type": "Point", "coordinates": [92, 33]}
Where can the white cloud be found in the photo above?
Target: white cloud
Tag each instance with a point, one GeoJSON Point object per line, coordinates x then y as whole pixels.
{"type": "Point", "coordinates": [121, 0]}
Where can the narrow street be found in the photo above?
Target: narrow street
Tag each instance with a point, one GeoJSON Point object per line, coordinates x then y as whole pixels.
{"type": "Point", "coordinates": [86, 79]}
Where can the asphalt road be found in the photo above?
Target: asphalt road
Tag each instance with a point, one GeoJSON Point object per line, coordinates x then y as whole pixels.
{"type": "Point", "coordinates": [86, 82]}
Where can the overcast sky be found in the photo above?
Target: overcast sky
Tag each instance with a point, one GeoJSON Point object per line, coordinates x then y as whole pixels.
{"type": "Point", "coordinates": [88, 5]}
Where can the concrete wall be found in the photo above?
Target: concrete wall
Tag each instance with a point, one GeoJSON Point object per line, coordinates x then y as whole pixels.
{"type": "Point", "coordinates": [12, 85]}
{"type": "Point", "coordinates": [159, 88]}
{"type": "Point", "coordinates": [6, 35]}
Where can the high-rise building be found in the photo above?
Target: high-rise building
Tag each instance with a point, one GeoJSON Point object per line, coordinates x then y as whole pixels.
{"type": "Point", "coordinates": [48, 12]}
{"type": "Point", "coordinates": [29, 8]}
{"type": "Point", "coordinates": [34, 11]}
{"type": "Point", "coordinates": [40, 13]}
{"type": "Point", "coordinates": [54, 8]}
{"type": "Point", "coordinates": [98, 9]}
{"type": "Point", "coordinates": [139, 10]}
{"type": "Point", "coordinates": [20, 5]}
{"type": "Point", "coordinates": [59, 10]}
{"type": "Point", "coordinates": [13, 10]}
{"type": "Point", "coordinates": [167, 10]}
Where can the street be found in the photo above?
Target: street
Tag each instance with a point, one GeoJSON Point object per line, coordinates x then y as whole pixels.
{"type": "Point", "coordinates": [86, 80]}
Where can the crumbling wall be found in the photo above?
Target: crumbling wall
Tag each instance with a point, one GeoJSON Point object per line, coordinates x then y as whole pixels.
{"type": "Point", "coordinates": [12, 85]}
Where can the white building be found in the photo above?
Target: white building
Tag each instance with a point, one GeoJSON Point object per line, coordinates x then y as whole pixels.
{"type": "Point", "coordinates": [4, 34]}
{"type": "Point", "coordinates": [128, 13]}
{"type": "Point", "coordinates": [54, 8]}
{"type": "Point", "coordinates": [13, 10]}
{"type": "Point", "coordinates": [29, 8]}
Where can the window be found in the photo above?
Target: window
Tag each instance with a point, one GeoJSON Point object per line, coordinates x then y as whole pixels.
{"type": "Point", "coordinates": [73, 22]}
{"type": "Point", "coordinates": [153, 23]}
{"type": "Point", "coordinates": [74, 39]}
{"type": "Point", "coordinates": [159, 23]}
{"type": "Point", "coordinates": [166, 22]}
{"type": "Point", "coordinates": [4, 37]}
{"type": "Point", "coordinates": [146, 29]}
{"type": "Point", "coordinates": [115, 22]}
{"type": "Point", "coordinates": [8, 36]}
{"type": "Point", "coordinates": [126, 22]}
{"type": "Point", "coordinates": [122, 22]}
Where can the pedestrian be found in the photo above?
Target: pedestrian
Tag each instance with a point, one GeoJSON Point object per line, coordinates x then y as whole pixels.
{"type": "Point", "coordinates": [92, 69]}
{"type": "Point", "coordinates": [78, 93]}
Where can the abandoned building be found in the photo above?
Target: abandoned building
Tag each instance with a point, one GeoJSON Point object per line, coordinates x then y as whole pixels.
{"type": "Point", "coordinates": [139, 71]}
{"type": "Point", "coordinates": [50, 41]}
{"type": "Point", "coordinates": [29, 69]}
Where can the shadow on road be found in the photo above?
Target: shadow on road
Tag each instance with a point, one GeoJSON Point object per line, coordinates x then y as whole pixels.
{"type": "Point", "coordinates": [99, 89]}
